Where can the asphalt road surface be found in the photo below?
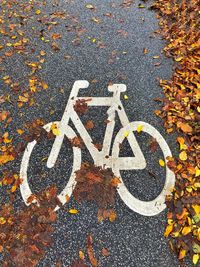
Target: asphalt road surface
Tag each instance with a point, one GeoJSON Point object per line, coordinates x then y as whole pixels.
{"type": "Point", "coordinates": [128, 57]}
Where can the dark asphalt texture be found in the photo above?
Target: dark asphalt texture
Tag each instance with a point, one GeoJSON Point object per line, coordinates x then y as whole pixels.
{"type": "Point", "coordinates": [133, 240]}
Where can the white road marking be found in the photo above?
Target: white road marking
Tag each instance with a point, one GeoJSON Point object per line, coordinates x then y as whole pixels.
{"type": "Point", "coordinates": [147, 208]}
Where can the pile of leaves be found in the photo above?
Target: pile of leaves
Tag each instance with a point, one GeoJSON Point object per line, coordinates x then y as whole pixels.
{"type": "Point", "coordinates": [179, 22]}
{"type": "Point", "coordinates": [99, 185]}
{"type": "Point", "coordinates": [26, 234]}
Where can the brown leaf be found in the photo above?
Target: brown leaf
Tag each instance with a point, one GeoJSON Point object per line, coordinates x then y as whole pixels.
{"type": "Point", "coordinates": [89, 125]}
{"type": "Point", "coordinates": [90, 251]}
{"type": "Point", "coordinates": [105, 252]}
{"type": "Point", "coordinates": [186, 128]}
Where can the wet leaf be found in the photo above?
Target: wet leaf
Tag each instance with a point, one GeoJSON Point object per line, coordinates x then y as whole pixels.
{"type": "Point", "coordinates": [90, 252]}
{"type": "Point", "coordinates": [183, 155]}
{"type": "Point", "coordinates": [182, 254]}
{"type": "Point", "coordinates": [89, 6]}
{"type": "Point", "coordinates": [140, 128]}
{"type": "Point", "coordinates": [161, 162]}
{"type": "Point", "coordinates": [81, 255]}
{"type": "Point", "coordinates": [168, 230]}
{"type": "Point", "coordinates": [186, 230]}
{"type": "Point", "coordinates": [105, 252]}
{"type": "Point", "coordinates": [73, 211]}
{"type": "Point", "coordinates": [55, 130]}
{"type": "Point", "coordinates": [186, 128]}
{"type": "Point", "coordinates": [195, 258]}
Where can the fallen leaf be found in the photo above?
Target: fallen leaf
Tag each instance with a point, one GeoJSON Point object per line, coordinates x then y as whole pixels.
{"type": "Point", "coordinates": [161, 162]}
{"type": "Point", "coordinates": [89, 125]}
{"type": "Point", "coordinates": [186, 230]}
{"type": "Point", "coordinates": [81, 255]}
{"type": "Point", "coordinates": [105, 252]}
{"type": "Point", "coordinates": [6, 158]}
{"type": "Point", "coordinates": [195, 258]}
{"type": "Point", "coordinates": [55, 130]}
{"type": "Point", "coordinates": [168, 230]}
{"type": "Point", "coordinates": [182, 254]}
{"type": "Point", "coordinates": [183, 155]}
{"type": "Point", "coordinates": [140, 128]}
{"type": "Point", "coordinates": [73, 211]}
{"type": "Point", "coordinates": [186, 128]}
{"type": "Point", "coordinates": [89, 6]}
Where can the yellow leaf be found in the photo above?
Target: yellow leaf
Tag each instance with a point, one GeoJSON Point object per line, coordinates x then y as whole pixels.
{"type": "Point", "coordinates": [13, 188]}
{"type": "Point", "coordinates": [96, 20]}
{"type": "Point", "coordinates": [178, 59]}
{"type": "Point", "coordinates": [196, 208]}
{"type": "Point", "coordinates": [161, 162]}
{"type": "Point", "coordinates": [126, 134]}
{"type": "Point", "coordinates": [5, 138]}
{"type": "Point", "coordinates": [22, 99]}
{"type": "Point", "coordinates": [73, 211]}
{"type": "Point", "coordinates": [195, 258]}
{"type": "Point", "coordinates": [81, 255]}
{"type": "Point", "coordinates": [2, 220]}
{"type": "Point", "coordinates": [182, 254]}
{"type": "Point", "coordinates": [139, 128]}
{"type": "Point", "coordinates": [168, 230]}
{"type": "Point", "coordinates": [197, 173]}
{"type": "Point", "coordinates": [186, 230]}
{"type": "Point", "coordinates": [20, 131]}
{"type": "Point", "coordinates": [125, 97]}
{"type": "Point", "coordinates": [44, 85]}
{"type": "Point", "coordinates": [89, 6]}
{"type": "Point", "coordinates": [55, 129]}
{"type": "Point", "coordinates": [5, 158]}
{"type": "Point", "coordinates": [93, 40]}
{"type": "Point", "coordinates": [175, 234]}
{"type": "Point", "coordinates": [37, 12]}
{"type": "Point", "coordinates": [197, 185]}
{"type": "Point", "coordinates": [181, 141]}
{"type": "Point", "coordinates": [183, 155]}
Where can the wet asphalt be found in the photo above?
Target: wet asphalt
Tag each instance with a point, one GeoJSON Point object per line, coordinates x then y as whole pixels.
{"type": "Point", "coordinates": [133, 240]}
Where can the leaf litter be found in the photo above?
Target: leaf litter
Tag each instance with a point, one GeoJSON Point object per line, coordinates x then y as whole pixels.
{"type": "Point", "coordinates": [179, 25]}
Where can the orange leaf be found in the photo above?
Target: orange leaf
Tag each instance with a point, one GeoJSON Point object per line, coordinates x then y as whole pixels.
{"type": "Point", "coordinates": [5, 158]}
{"type": "Point", "coordinates": [182, 254]}
{"type": "Point", "coordinates": [186, 128]}
{"type": "Point", "coordinates": [115, 181]}
{"type": "Point", "coordinates": [90, 251]}
{"type": "Point", "coordinates": [168, 230]}
{"type": "Point", "coordinates": [186, 230]}
{"type": "Point", "coordinates": [67, 198]}
{"type": "Point", "coordinates": [112, 216]}
{"type": "Point", "coordinates": [93, 177]}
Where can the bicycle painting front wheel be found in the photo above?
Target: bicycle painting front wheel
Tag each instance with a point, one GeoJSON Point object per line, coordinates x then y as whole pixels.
{"type": "Point", "coordinates": [25, 188]}
{"type": "Point", "coordinates": [157, 205]}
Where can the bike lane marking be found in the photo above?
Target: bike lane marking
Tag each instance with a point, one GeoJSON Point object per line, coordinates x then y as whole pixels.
{"type": "Point", "coordinates": [146, 208]}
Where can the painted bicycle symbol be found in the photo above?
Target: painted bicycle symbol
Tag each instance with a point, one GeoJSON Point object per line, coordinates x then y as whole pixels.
{"type": "Point", "coordinates": [103, 157]}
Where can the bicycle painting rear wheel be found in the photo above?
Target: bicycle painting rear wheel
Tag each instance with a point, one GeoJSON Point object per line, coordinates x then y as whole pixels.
{"type": "Point", "coordinates": [157, 205]}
